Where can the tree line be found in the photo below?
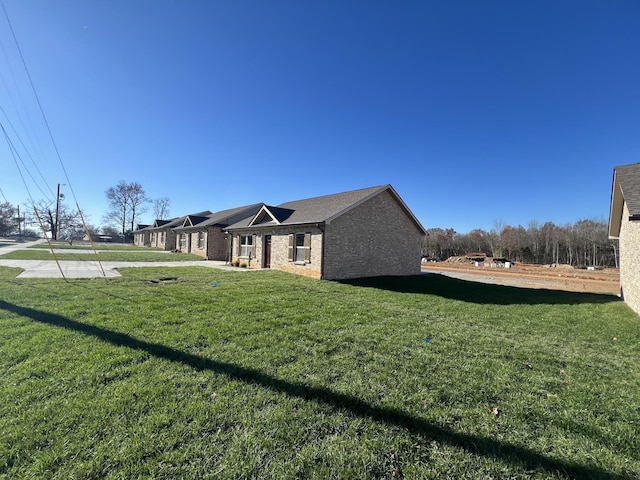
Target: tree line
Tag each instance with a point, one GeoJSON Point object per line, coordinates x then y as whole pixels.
{"type": "Point", "coordinates": [583, 244]}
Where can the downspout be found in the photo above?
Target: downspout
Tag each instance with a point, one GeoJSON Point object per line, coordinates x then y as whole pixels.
{"type": "Point", "coordinates": [228, 237]}
{"type": "Point", "coordinates": [321, 227]}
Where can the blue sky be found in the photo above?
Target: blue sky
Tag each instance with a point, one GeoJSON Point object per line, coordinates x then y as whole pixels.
{"type": "Point", "coordinates": [477, 112]}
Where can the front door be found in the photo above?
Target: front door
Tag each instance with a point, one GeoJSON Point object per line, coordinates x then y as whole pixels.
{"type": "Point", "coordinates": [267, 251]}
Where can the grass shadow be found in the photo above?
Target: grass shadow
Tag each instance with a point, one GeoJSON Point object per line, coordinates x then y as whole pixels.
{"type": "Point", "coordinates": [484, 446]}
{"type": "Point", "coordinates": [476, 292]}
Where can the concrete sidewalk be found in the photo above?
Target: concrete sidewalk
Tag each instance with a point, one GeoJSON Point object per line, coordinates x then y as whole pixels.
{"type": "Point", "coordinates": [92, 269]}
{"type": "Point", "coordinates": [71, 269]}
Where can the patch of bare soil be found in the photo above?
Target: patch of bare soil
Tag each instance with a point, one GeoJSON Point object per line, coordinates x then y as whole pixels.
{"type": "Point", "coordinates": [552, 277]}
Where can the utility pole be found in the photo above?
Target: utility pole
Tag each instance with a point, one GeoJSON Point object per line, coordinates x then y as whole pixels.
{"type": "Point", "coordinates": [57, 222]}
{"type": "Point", "coordinates": [19, 222]}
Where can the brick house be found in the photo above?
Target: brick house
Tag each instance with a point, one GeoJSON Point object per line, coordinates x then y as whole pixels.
{"type": "Point", "coordinates": [147, 236]}
{"type": "Point", "coordinates": [624, 224]}
{"type": "Point", "coordinates": [205, 235]}
{"type": "Point", "coordinates": [141, 235]}
{"type": "Point", "coordinates": [360, 233]}
{"type": "Point", "coordinates": [162, 234]}
{"type": "Point", "coordinates": [190, 238]}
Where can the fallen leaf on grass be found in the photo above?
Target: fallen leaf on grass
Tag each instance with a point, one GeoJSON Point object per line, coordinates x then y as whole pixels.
{"type": "Point", "coordinates": [495, 411]}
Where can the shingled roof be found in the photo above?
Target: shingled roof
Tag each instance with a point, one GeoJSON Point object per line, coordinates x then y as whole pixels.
{"type": "Point", "coordinates": [625, 189]}
{"type": "Point", "coordinates": [175, 222]}
{"type": "Point", "coordinates": [222, 217]}
{"type": "Point", "coordinates": [321, 209]}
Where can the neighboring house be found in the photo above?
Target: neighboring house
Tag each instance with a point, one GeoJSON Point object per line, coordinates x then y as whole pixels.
{"type": "Point", "coordinates": [153, 235]}
{"type": "Point", "coordinates": [190, 238]}
{"type": "Point", "coordinates": [216, 240]}
{"type": "Point", "coordinates": [141, 235]}
{"type": "Point", "coordinates": [166, 237]}
{"type": "Point", "coordinates": [206, 236]}
{"type": "Point", "coordinates": [361, 233]}
{"type": "Point", "coordinates": [624, 224]}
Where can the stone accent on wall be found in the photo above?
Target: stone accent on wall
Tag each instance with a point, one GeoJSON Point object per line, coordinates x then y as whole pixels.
{"type": "Point", "coordinates": [280, 250]}
{"type": "Point", "coordinates": [630, 260]}
{"type": "Point", "coordinates": [201, 249]}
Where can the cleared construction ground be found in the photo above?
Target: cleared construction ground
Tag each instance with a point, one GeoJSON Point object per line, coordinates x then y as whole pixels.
{"type": "Point", "coordinates": [553, 277]}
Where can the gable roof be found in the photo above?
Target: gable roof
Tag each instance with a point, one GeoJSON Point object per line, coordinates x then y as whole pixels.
{"type": "Point", "coordinates": [625, 189]}
{"type": "Point", "coordinates": [193, 220]}
{"type": "Point", "coordinates": [321, 209]}
{"type": "Point", "coordinates": [156, 225]}
{"type": "Point", "coordinates": [220, 219]}
{"type": "Point", "coordinates": [177, 221]}
{"type": "Point", "coordinates": [271, 216]}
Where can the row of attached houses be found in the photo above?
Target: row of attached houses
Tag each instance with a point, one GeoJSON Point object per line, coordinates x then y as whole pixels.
{"type": "Point", "coordinates": [360, 233]}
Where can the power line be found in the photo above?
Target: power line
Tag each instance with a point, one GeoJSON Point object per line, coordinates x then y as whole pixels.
{"type": "Point", "coordinates": [35, 94]}
{"type": "Point", "coordinates": [55, 146]}
{"type": "Point", "coordinates": [16, 157]}
{"type": "Point", "coordinates": [27, 151]}
{"type": "Point", "coordinates": [13, 102]}
{"type": "Point", "coordinates": [13, 154]}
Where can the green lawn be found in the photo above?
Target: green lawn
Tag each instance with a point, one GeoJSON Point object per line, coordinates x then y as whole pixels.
{"type": "Point", "coordinates": [97, 245]}
{"type": "Point", "coordinates": [109, 256]}
{"type": "Point", "coordinates": [271, 375]}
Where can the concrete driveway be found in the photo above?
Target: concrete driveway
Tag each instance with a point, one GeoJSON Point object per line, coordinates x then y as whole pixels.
{"type": "Point", "coordinates": [83, 269]}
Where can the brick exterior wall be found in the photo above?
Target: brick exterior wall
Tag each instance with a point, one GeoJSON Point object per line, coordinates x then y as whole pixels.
{"type": "Point", "coordinates": [141, 239]}
{"type": "Point", "coordinates": [630, 261]}
{"type": "Point", "coordinates": [376, 238]}
{"type": "Point", "coordinates": [191, 243]}
{"type": "Point", "coordinates": [216, 244]}
{"type": "Point", "coordinates": [169, 240]}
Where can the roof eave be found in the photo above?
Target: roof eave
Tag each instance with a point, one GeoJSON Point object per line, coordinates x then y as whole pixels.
{"type": "Point", "coordinates": [262, 226]}
{"type": "Point", "coordinates": [617, 207]}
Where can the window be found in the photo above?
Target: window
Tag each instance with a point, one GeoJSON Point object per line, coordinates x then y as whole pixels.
{"type": "Point", "coordinates": [200, 240]}
{"type": "Point", "coordinates": [300, 247]}
{"type": "Point", "coordinates": [183, 240]}
{"type": "Point", "coordinates": [246, 245]}
{"type": "Point", "coordinates": [299, 253]}
{"type": "Point", "coordinates": [161, 237]}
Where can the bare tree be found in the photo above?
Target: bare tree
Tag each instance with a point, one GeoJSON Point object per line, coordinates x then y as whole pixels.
{"type": "Point", "coordinates": [126, 203]}
{"type": "Point", "coordinates": [65, 224]}
{"type": "Point", "coordinates": [583, 244]}
{"type": "Point", "coordinates": [161, 208]}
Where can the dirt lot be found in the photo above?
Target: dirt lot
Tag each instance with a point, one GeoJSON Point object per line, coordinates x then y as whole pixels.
{"type": "Point", "coordinates": [562, 277]}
